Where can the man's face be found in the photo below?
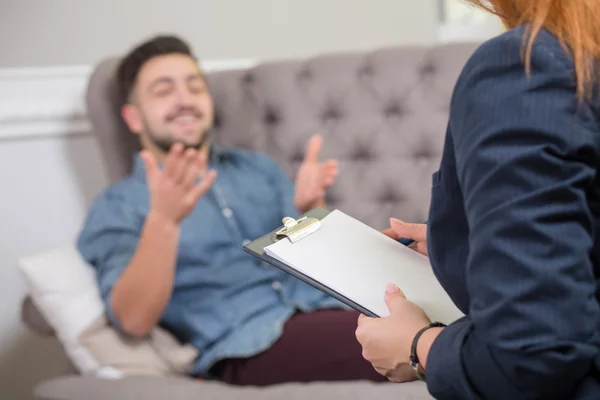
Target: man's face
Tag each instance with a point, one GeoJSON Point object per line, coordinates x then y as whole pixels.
{"type": "Point", "coordinates": [170, 103]}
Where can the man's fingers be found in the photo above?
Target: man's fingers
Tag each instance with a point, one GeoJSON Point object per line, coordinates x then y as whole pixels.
{"type": "Point", "coordinates": [201, 188]}
{"type": "Point", "coordinates": [328, 180]}
{"type": "Point", "coordinates": [416, 232]}
{"type": "Point", "coordinates": [329, 171]}
{"type": "Point", "coordinates": [332, 168]}
{"type": "Point", "coordinates": [191, 174]}
{"type": "Point", "coordinates": [171, 160]}
{"type": "Point", "coordinates": [313, 149]}
{"type": "Point", "coordinates": [150, 164]}
{"type": "Point", "coordinates": [202, 161]}
{"type": "Point", "coordinates": [183, 164]}
{"type": "Point", "coordinates": [332, 165]}
{"type": "Point", "coordinates": [196, 167]}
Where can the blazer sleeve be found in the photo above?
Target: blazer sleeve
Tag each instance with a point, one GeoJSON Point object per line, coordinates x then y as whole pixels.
{"type": "Point", "coordinates": [525, 155]}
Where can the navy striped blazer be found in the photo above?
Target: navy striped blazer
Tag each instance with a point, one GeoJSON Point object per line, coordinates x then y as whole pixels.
{"type": "Point", "coordinates": [513, 230]}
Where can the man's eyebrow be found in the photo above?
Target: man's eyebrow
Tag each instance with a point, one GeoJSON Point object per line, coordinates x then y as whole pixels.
{"type": "Point", "coordinates": [195, 77]}
{"type": "Point", "coordinates": [158, 81]}
{"type": "Point", "coordinates": [169, 80]}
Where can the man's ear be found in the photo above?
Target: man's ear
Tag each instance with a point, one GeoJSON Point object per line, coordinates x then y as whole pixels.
{"type": "Point", "coordinates": [133, 119]}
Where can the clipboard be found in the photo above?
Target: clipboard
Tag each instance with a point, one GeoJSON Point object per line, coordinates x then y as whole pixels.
{"type": "Point", "coordinates": [296, 230]}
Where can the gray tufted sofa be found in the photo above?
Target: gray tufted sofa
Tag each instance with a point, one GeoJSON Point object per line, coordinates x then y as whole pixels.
{"type": "Point", "coordinates": [383, 115]}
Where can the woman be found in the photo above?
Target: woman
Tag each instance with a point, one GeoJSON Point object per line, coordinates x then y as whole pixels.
{"type": "Point", "coordinates": [515, 211]}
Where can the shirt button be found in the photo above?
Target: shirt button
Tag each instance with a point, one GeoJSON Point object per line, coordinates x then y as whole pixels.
{"type": "Point", "coordinates": [276, 285]}
{"type": "Point", "coordinates": [227, 213]}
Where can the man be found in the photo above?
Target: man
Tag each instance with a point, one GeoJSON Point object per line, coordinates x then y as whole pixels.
{"type": "Point", "coordinates": [166, 241]}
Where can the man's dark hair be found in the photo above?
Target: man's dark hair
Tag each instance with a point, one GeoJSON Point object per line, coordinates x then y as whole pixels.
{"type": "Point", "coordinates": [131, 64]}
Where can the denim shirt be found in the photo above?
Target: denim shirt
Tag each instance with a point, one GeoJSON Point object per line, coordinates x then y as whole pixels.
{"type": "Point", "coordinates": [225, 302]}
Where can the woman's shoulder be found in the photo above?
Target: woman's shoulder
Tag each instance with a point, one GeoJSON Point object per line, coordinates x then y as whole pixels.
{"type": "Point", "coordinates": [495, 87]}
{"type": "Point", "coordinates": [509, 48]}
{"type": "Point", "coordinates": [519, 35]}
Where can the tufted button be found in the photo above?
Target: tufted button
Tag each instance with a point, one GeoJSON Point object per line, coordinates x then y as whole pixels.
{"type": "Point", "coordinates": [393, 110]}
{"type": "Point", "coordinates": [428, 69]}
{"type": "Point", "coordinates": [297, 156]}
{"type": "Point", "coordinates": [365, 71]}
{"type": "Point", "coordinates": [422, 153]}
{"type": "Point", "coordinates": [271, 117]}
{"type": "Point", "coordinates": [248, 78]}
{"type": "Point", "coordinates": [305, 74]}
{"type": "Point", "coordinates": [331, 114]}
{"type": "Point", "coordinates": [362, 153]}
{"type": "Point", "coordinates": [388, 196]}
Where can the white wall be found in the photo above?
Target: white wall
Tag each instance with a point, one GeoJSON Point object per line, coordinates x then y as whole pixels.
{"type": "Point", "coordinates": [43, 201]}
{"type": "Point", "coordinates": [60, 32]}
{"type": "Point", "coordinates": [465, 22]}
{"type": "Point", "coordinates": [48, 178]}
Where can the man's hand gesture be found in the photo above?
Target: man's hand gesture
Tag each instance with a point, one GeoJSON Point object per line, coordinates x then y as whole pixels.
{"type": "Point", "coordinates": [314, 177]}
{"type": "Point", "coordinates": [175, 190]}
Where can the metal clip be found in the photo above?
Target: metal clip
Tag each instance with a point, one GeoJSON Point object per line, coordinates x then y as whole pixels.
{"type": "Point", "coordinates": [296, 230]}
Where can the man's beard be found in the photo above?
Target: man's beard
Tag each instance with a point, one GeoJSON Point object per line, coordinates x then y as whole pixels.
{"type": "Point", "coordinates": [165, 144]}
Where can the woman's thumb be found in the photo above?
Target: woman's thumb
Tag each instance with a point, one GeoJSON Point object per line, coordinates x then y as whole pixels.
{"type": "Point", "coordinates": [392, 295]}
{"type": "Point", "coordinates": [396, 222]}
{"type": "Point", "coordinates": [400, 227]}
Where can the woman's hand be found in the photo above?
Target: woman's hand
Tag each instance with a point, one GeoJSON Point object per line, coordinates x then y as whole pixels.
{"type": "Point", "coordinates": [416, 232]}
{"type": "Point", "coordinates": [386, 342]}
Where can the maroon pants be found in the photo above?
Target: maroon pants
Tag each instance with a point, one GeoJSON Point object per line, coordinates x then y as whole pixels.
{"type": "Point", "coordinates": [318, 346]}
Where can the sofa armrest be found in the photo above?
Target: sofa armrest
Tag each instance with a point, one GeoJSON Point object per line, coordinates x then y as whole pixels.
{"type": "Point", "coordinates": [33, 319]}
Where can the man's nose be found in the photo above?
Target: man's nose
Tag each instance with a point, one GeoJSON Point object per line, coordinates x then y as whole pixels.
{"type": "Point", "coordinates": [184, 97]}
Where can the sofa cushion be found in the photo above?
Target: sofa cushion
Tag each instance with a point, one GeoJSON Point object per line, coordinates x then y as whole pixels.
{"type": "Point", "coordinates": [33, 318]}
{"type": "Point", "coordinates": [138, 388]}
{"type": "Point", "coordinates": [63, 288]}
{"type": "Point", "coordinates": [158, 354]}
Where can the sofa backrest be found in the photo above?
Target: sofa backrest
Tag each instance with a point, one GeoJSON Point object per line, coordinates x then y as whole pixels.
{"type": "Point", "coordinates": [382, 114]}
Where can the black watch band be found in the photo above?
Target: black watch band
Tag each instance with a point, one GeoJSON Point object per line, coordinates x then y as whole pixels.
{"type": "Point", "coordinates": [414, 359]}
